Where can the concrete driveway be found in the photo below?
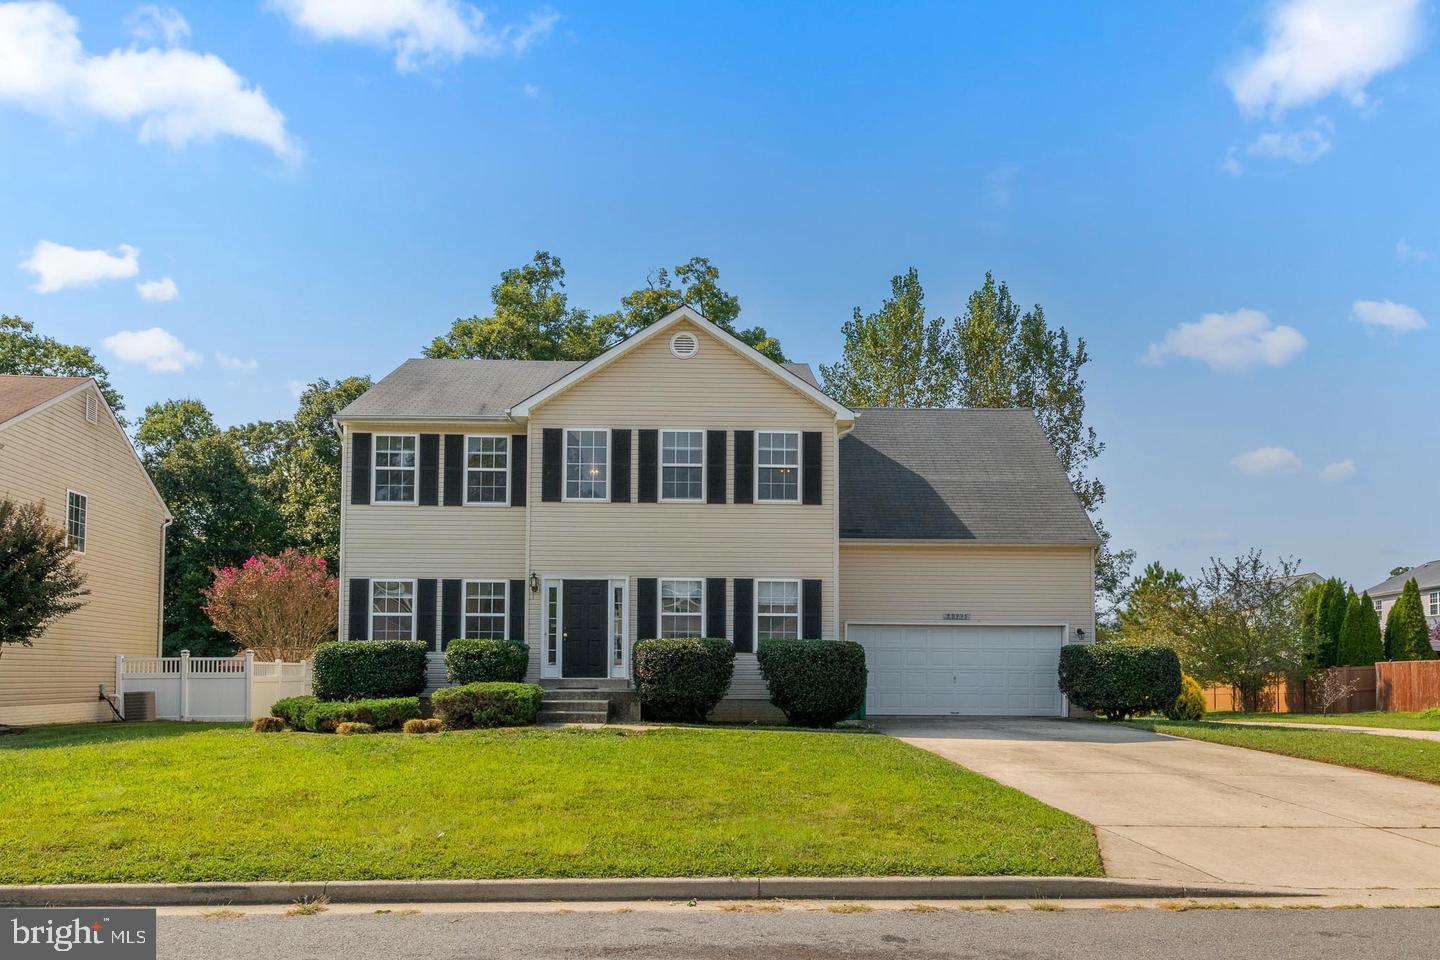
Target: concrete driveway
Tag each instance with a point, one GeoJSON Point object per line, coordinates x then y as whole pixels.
{"type": "Point", "coordinates": [1182, 810]}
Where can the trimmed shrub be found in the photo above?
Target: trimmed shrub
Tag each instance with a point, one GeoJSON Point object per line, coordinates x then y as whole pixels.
{"type": "Point", "coordinates": [415, 725]}
{"type": "Point", "coordinates": [682, 678]}
{"type": "Point", "coordinates": [1190, 705]}
{"type": "Point", "coordinates": [292, 710]}
{"type": "Point", "coordinates": [817, 683]}
{"type": "Point", "coordinates": [1118, 681]}
{"type": "Point", "coordinates": [433, 724]}
{"type": "Point", "coordinates": [487, 705]}
{"type": "Point", "coordinates": [388, 713]}
{"type": "Point", "coordinates": [353, 727]}
{"type": "Point", "coordinates": [267, 725]}
{"type": "Point", "coordinates": [358, 670]}
{"type": "Point", "coordinates": [486, 661]}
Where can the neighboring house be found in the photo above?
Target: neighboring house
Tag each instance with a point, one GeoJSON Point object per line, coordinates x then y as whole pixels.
{"type": "Point", "coordinates": [683, 484]}
{"type": "Point", "coordinates": [63, 447]}
{"type": "Point", "coordinates": [1426, 577]}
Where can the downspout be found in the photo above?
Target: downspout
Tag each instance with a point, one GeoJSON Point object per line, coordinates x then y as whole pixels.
{"type": "Point", "coordinates": [340, 592]}
{"type": "Point", "coordinates": [160, 610]}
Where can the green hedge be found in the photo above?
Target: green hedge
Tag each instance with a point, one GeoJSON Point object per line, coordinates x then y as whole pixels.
{"type": "Point", "coordinates": [486, 661]}
{"type": "Point", "coordinates": [320, 716]}
{"type": "Point", "coordinates": [682, 678]}
{"type": "Point", "coordinates": [1118, 681]}
{"type": "Point", "coordinates": [487, 704]}
{"type": "Point", "coordinates": [361, 669]}
{"type": "Point", "coordinates": [817, 683]}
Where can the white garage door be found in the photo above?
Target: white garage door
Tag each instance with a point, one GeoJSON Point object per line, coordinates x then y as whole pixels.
{"type": "Point", "coordinates": [961, 670]}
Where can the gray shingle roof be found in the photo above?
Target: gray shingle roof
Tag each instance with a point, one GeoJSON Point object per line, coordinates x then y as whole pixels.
{"type": "Point", "coordinates": [1426, 576]}
{"type": "Point", "coordinates": [459, 389]}
{"type": "Point", "coordinates": [979, 475]}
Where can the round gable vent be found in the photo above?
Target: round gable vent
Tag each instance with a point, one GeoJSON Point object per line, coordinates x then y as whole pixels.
{"type": "Point", "coordinates": [684, 344]}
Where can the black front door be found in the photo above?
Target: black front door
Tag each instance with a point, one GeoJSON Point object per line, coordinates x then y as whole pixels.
{"type": "Point", "coordinates": [585, 628]}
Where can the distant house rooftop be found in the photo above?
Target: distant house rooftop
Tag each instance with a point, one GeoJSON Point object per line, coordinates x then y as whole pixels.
{"type": "Point", "coordinates": [1426, 575]}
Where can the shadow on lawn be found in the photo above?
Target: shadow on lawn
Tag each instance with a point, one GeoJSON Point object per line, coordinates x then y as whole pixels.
{"type": "Point", "coordinates": [76, 734]}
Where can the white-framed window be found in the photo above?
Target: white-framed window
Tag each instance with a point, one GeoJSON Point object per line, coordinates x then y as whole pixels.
{"type": "Point", "coordinates": [777, 609]}
{"type": "Point", "coordinates": [682, 465]}
{"type": "Point", "coordinates": [682, 607]}
{"type": "Point", "coordinates": [617, 625]}
{"type": "Point", "coordinates": [1379, 606]}
{"type": "Point", "coordinates": [587, 464]}
{"type": "Point", "coordinates": [552, 623]}
{"type": "Point", "coordinates": [485, 609]}
{"type": "Point", "coordinates": [77, 513]}
{"type": "Point", "coordinates": [487, 468]}
{"type": "Point", "coordinates": [392, 609]}
{"type": "Point", "coordinates": [777, 466]}
{"type": "Point", "coordinates": [394, 474]}
{"type": "Point", "coordinates": [1435, 603]}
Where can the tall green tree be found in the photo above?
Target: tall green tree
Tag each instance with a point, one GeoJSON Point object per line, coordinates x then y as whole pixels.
{"type": "Point", "coordinates": [1407, 635]}
{"type": "Point", "coordinates": [167, 423]}
{"type": "Point", "coordinates": [895, 357]}
{"type": "Point", "coordinates": [1360, 642]}
{"type": "Point", "coordinates": [1329, 618]}
{"type": "Point", "coordinates": [1151, 616]}
{"type": "Point", "coordinates": [23, 351]}
{"type": "Point", "coordinates": [40, 580]}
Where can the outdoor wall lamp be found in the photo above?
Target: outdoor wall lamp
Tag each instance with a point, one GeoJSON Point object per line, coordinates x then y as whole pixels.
{"type": "Point", "coordinates": [534, 583]}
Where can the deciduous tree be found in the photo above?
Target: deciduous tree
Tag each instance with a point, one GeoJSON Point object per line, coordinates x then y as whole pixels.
{"type": "Point", "coordinates": [23, 351]}
{"type": "Point", "coordinates": [895, 357]}
{"type": "Point", "coordinates": [280, 607]}
{"type": "Point", "coordinates": [40, 580]}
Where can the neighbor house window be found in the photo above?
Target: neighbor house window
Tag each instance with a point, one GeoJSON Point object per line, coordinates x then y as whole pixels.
{"type": "Point", "coordinates": [1435, 603]}
{"type": "Point", "coordinates": [682, 463]}
{"type": "Point", "coordinates": [777, 609]}
{"type": "Point", "coordinates": [392, 609]}
{"type": "Point", "coordinates": [485, 609]}
{"type": "Point", "coordinates": [395, 468]}
{"type": "Point", "coordinates": [777, 467]}
{"type": "Point", "coordinates": [681, 608]}
{"type": "Point", "coordinates": [487, 464]}
{"type": "Point", "coordinates": [77, 509]}
{"type": "Point", "coordinates": [587, 464]}
{"type": "Point", "coordinates": [1379, 605]}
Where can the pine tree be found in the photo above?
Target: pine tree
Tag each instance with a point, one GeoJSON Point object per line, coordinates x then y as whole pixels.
{"type": "Point", "coordinates": [1407, 635]}
{"type": "Point", "coordinates": [1347, 652]}
{"type": "Point", "coordinates": [1329, 617]}
{"type": "Point", "coordinates": [1309, 633]}
{"type": "Point", "coordinates": [1370, 646]}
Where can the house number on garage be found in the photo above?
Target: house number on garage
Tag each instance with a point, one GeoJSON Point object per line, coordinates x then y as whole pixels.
{"type": "Point", "coordinates": [956, 616]}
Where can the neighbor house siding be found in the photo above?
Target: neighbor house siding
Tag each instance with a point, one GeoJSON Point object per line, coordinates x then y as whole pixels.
{"type": "Point", "coordinates": [42, 457]}
{"type": "Point", "coordinates": [990, 584]}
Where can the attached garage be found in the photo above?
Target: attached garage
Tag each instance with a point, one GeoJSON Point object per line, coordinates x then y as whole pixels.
{"type": "Point", "coordinates": [961, 670]}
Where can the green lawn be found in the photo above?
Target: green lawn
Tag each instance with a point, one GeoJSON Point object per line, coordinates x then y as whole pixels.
{"type": "Point", "coordinates": [1396, 720]}
{"type": "Point", "coordinates": [172, 802]}
{"type": "Point", "coordinates": [1416, 759]}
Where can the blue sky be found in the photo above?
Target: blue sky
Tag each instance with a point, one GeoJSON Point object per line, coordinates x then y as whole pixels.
{"type": "Point", "coordinates": [1233, 202]}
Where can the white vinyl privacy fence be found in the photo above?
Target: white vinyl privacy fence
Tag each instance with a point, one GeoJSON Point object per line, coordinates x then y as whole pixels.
{"type": "Point", "coordinates": [210, 688]}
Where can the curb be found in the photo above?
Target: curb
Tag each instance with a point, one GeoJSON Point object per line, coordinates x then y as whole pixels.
{"type": "Point", "coordinates": [636, 888]}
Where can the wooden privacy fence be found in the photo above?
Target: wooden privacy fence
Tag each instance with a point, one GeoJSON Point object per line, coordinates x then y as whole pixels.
{"type": "Point", "coordinates": [1280, 696]}
{"type": "Point", "coordinates": [211, 688]}
{"type": "Point", "coordinates": [1407, 685]}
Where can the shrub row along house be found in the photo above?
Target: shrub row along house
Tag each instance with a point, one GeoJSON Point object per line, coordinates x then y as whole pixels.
{"type": "Point", "coordinates": [683, 484]}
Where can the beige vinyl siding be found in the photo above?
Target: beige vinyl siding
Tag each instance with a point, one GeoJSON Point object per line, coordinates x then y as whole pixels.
{"type": "Point", "coordinates": [715, 389]}
{"type": "Point", "coordinates": [411, 542]}
{"type": "Point", "coordinates": [993, 584]}
{"type": "Point", "coordinates": [44, 455]}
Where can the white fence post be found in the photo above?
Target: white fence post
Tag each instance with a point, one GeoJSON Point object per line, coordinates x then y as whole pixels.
{"type": "Point", "coordinates": [120, 684]}
{"type": "Point", "coordinates": [249, 682]}
{"type": "Point", "coordinates": [184, 684]}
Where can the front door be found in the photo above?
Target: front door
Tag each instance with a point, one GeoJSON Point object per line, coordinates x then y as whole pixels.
{"type": "Point", "coordinates": [586, 628]}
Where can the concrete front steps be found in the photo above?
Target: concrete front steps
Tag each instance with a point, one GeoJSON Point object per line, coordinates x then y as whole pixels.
{"type": "Point", "coordinates": [588, 701]}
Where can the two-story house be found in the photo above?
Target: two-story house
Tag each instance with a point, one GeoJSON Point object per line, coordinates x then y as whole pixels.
{"type": "Point", "coordinates": [683, 484]}
{"type": "Point", "coordinates": [1426, 577]}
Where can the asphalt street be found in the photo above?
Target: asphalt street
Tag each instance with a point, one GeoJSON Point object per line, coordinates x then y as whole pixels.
{"type": "Point", "coordinates": [709, 934]}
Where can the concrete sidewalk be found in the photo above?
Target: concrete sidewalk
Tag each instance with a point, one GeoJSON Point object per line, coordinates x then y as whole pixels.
{"type": "Point", "coordinates": [1341, 727]}
{"type": "Point", "coordinates": [1180, 810]}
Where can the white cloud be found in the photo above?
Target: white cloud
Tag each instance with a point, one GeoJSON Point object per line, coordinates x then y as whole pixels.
{"type": "Point", "coordinates": [158, 350]}
{"type": "Point", "coordinates": [156, 24]}
{"type": "Point", "coordinates": [57, 266]}
{"type": "Point", "coordinates": [1266, 462]}
{"type": "Point", "coordinates": [177, 96]}
{"type": "Point", "coordinates": [1339, 472]}
{"type": "Point", "coordinates": [1404, 251]}
{"type": "Point", "coordinates": [421, 32]}
{"type": "Point", "coordinates": [1231, 163]}
{"type": "Point", "coordinates": [1230, 342]}
{"type": "Point", "coordinates": [158, 291]}
{"type": "Point", "coordinates": [296, 388]}
{"type": "Point", "coordinates": [1388, 314]}
{"type": "Point", "coordinates": [236, 363]}
{"type": "Point", "coordinates": [1316, 48]}
{"type": "Point", "coordinates": [1299, 146]}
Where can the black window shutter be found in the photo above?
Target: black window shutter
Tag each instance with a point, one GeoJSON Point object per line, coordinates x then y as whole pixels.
{"type": "Point", "coordinates": [359, 608]}
{"type": "Point", "coordinates": [646, 607]}
{"type": "Point", "coordinates": [429, 469]}
{"type": "Point", "coordinates": [715, 608]}
{"type": "Point", "coordinates": [810, 465]}
{"type": "Point", "coordinates": [744, 626]}
{"type": "Point", "coordinates": [715, 467]}
{"type": "Point", "coordinates": [744, 466]}
{"type": "Point", "coordinates": [450, 626]}
{"type": "Point", "coordinates": [360, 468]}
{"type": "Point", "coordinates": [649, 466]}
{"type": "Point", "coordinates": [454, 470]}
{"type": "Point", "coordinates": [552, 452]}
{"type": "Point", "coordinates": [518, 465]}
{"type": "Point", "coordinates": [619, 466]}
{"type": "Point", "coordinates": [425, 612]}
{"type": "Point", "coordinates": [516, 611]}
{"type": "Point", "coordinates": [810, 609]}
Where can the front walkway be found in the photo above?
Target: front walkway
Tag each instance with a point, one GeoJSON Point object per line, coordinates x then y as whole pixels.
{"type": "Point", "coordinates": [1342, 727]}
{"type": "Point", "coordinates": [1182, 810]}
